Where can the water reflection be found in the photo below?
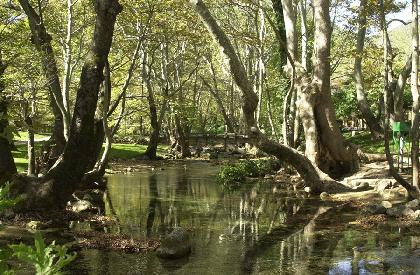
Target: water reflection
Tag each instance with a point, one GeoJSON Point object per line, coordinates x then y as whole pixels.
{"type": "Point", "coordinates": [261, 228]}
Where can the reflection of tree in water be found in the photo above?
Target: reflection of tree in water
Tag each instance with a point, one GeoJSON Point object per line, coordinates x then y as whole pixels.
{"type": "Point", "coordinates": [153, 203]}
{"type": "Point", "coordinates": [303, 246]}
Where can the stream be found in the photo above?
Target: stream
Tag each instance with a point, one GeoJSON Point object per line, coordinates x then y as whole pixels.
{"type": "Point", "coordinates": [262, 228]}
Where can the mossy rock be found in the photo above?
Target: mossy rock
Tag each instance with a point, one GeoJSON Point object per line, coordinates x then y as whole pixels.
{"type": "Point", "coordinates": [175, 245]}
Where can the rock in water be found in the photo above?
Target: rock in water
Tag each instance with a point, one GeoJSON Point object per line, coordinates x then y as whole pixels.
{"type": "Point", "coordinates": [175, 245]}
{"type": "Point", "coordinates": [81, 205]}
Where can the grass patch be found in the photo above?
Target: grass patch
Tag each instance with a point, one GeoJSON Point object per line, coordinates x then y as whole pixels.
{"type": "Point", "coordinates": [21, 157]}
{"type": "Point", "coordinates": [368, 145]}
{"type": "Point", "coordinates": [130, 151]}
{"type": "Point", "coordinates": [23, 136]}
{"type": "Point", "coordinates": [118, 151]}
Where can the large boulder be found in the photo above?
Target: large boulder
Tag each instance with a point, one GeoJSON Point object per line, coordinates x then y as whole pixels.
{"type": "Point", "coordinates": [175, 245]}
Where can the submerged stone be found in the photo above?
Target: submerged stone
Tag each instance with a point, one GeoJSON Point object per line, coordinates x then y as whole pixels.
{"type": "Point", "coordinates": [175, 245]}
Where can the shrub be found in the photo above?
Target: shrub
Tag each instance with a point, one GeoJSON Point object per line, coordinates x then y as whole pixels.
{"type": "Point", "coordinates": [232, 174]}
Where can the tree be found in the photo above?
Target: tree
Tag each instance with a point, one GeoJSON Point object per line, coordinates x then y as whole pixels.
{"type": "Point", "coordinates": [56, 187]}
{"type": "Point", "coordinates": [42, 42]}
{"type": "Point", "coordinates": [413, 191]}
{"type": "Point", "coordinates": [317, 180]}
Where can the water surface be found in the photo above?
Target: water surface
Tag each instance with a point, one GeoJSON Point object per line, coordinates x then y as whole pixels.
{"type": "Point", "coordinates": [260, 229]}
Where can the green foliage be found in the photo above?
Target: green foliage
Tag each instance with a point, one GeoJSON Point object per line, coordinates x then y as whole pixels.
{"type": "Point", "coordinates": [47, 260]}
{"type": "Point", "coordinates": [345, 103]}
{"type": "Point", "coordinates": [5, 201]}
{"type": "Point", "coordinates": [366, 143]}
{"type": "Point", "coordinates": [232, 174]}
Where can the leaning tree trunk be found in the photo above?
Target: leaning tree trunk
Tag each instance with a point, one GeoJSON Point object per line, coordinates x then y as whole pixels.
{"type": "Point", "coordinates": [7, 164]}
{"type": "Point", "coordinates": [56, 188]}
{"type": "Point", "coordinates": [367, 114]}
{"type": "Point", "coordinates": [316, 179]}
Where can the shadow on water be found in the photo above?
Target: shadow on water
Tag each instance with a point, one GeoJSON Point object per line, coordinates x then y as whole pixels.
{"type": "Point", "coordinates": [263, 228]}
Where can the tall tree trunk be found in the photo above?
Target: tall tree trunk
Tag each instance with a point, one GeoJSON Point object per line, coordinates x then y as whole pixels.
{"type": "Point", "coordinates": [398, 93]}
{"type": "Point", "coordinates": [7, 164]}
{"type": "Point", "coordinates": [415, 93]}
{"type": "Point", "coordinates": [367, 114]}
{"type": "Point", "coordinates": [313, 177]}
{"type": "Point", "coordinates": [324, 141]}
{"type": "Point", "coordinates": [31, 145]}
{"type": "Point", "coordinates": [182, 133]}
{"type": "Point", "coordinates": [260, 62]}
{"type": "Point", "coordinates": [55, 189]}
{"type": "Point", "coordinates": [153, 113]}
{"type": "Point", "coordinates": [289, 16]}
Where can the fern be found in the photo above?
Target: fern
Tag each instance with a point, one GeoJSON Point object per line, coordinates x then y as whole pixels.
{"type": "Point", "coordinates": [48, 260]}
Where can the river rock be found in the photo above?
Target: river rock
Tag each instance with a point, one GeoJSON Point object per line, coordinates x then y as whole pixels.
{"type": "Point", "coordinates": [375, 209]}
{"type": "Point", "coordinates": [386, 204]}
{"type": "Point", "coordinates": [325, 196]}
{"type": "Point", "coordinates": [36, 225]}
{"type": "Point", "coordinates": [81, 206]}
{"type": "Point", "coordinates": [412, 204]}
{"type": "Point", "coordinates": [396, 211]}
{"type": "Point", "coordinates": [383, 184]}
{"type": "Point", "coordinates": [417, 215]}
{"type": "Point", "coordinates": [362, 186]}
{"type": "Point", "coordinates": [175, 245]}
{"type": "Point", "coordinates": [401, 211]}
